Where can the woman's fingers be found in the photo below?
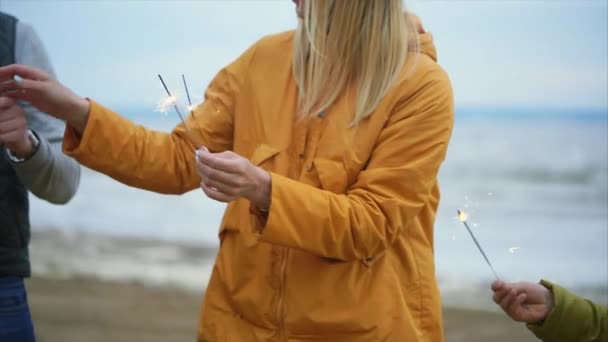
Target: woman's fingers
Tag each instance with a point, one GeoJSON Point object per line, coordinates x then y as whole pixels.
{"type": "Point", "coordinates": [7, 86]}
{"type": "Point", "coordinates": [229, 162]}
{"type": "Point", "coordinates": [217, 176]}
{"type": "Point", "coordinates": [26, 90]}
{"type": "Point", "coordinates": [215, 193]}
{"type": "Point", "coordinates": [221, 187]}
{"type": "Point", "coordinates": [225, 173]}
{"type": "Point", "coordinates": [25, 72]}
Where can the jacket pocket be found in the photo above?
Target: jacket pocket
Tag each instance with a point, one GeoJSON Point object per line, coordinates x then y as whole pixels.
{"type": "Point", "coordinates": [263, 154]}
{"type": "Point", "coordinates": [332, 175]}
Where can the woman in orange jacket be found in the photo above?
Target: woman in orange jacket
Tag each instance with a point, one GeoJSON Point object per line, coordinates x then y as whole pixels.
{"type": "Point", "coordinates": [325, 142]}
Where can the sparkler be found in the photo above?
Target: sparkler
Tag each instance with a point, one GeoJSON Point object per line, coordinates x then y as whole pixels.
{"type": "Point", "coordinates": [172, 100]}
{"type": "Point", "coordinates": [191, 109]}
{"type": "Point", "coordinates": [190, 106]}
{"type": "Point", "coordinates": [462, 216]}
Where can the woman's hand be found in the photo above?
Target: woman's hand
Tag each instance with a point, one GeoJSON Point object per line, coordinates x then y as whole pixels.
{"type": "Point", "coordinates": [44, 93]}
{"type": "Point", "coordinates": [227, 176]}
{"type": "Point", "coordinates": [523, 302]}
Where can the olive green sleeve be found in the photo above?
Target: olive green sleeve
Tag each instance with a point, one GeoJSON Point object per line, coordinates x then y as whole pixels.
{"type": "Point", "coordinates": [573, 318]}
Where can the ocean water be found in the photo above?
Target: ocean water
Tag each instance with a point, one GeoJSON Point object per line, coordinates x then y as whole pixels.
{"type": "Point", "coordinates": [535, 185]}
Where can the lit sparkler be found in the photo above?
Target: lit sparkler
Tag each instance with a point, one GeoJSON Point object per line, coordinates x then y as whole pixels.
{"type": "Point", "coordinates": [462, 216]}
{"type": "Point", "coordinates": [191, 109]}
{"type": "Point", "coordinates": [172, 101]}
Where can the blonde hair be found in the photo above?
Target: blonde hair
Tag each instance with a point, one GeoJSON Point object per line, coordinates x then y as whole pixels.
{"type": "Point", "coordinates": [349, 45]}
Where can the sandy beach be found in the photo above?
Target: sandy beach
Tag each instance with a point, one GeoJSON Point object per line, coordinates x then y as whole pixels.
{"type": "Point", "coordinates": [89, 310]}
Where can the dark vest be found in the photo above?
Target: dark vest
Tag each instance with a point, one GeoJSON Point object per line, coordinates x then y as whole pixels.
{"type": "Point", "coordinates": [14, 205]}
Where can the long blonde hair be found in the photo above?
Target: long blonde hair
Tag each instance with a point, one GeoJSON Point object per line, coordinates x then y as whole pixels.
{"type": "Point", "coordinates": [344, 45]}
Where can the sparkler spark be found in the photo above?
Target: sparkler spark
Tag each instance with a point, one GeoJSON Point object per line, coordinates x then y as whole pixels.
{"type": "Point", "coordinates": [462, 216]}
{"type": "Point", "coordinates": [165, 104]}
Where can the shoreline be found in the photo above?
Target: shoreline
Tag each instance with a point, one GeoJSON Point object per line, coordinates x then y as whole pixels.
{"type": "Point", "coordinates": [187, 266]}
{"type": "Point", "coordinates": [87, 309]}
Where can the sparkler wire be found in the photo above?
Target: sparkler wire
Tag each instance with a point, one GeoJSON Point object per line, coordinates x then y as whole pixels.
{"type": "Point", "coordinates": [479, 246]}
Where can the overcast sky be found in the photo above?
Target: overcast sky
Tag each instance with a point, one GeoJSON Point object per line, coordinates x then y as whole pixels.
{"type": "Point", "coordinates": [498, 53]}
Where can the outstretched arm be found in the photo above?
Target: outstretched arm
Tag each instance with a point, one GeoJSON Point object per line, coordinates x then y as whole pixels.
{"type": "Point", "coordinates": [103, 140]}
{"type": "Point", "coordinates": [551, 312]}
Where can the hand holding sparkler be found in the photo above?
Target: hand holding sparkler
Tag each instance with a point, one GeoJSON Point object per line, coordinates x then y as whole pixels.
{"type": "Point", "coordinates": [227, 176]}
{"type": "Point", "coordinates": [462, 216]}
{"type": "Point", "coordinates": [524, 301]}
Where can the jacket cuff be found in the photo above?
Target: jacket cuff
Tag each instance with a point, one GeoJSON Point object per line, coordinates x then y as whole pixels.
{"type": "Point", "coordinates": [74, 144]}
{"type": "Point", "coordinates": [275, 226]}
{"type": "Point", "coordinates": [553, 327]}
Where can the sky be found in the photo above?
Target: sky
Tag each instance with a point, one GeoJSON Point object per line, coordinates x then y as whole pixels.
{"type": "Point", "coordinates": [536, 54]}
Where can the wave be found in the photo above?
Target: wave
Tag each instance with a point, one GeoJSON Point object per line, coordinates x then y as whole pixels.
{"type": "Point", "coordinates": [62, 254]}
{"type": "Point", "coordinates": [584, 175]}
{"type": "Point", "coordinates": [159, 263]}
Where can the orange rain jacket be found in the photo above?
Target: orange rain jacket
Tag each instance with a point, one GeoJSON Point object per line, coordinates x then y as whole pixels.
{"type": "Point", "coordinates": [346, 253]}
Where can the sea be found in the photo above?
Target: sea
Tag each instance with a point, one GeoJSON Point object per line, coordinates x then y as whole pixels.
{"type": "Point", "coordinates": [533, 181]}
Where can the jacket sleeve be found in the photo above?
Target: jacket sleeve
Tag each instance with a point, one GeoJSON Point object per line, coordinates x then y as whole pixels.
{"type": "Point", "coordinates": [48, 174]}
{"type": "Point", "coordinates": [386, 197]}
{"type": "Point", "coordinates": [159, 161]}
{"type": "Point", "coordinates": [573, 319]}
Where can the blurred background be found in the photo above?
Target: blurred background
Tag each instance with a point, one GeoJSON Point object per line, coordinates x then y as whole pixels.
{"type": "Point", "coordinates": [528, 159]}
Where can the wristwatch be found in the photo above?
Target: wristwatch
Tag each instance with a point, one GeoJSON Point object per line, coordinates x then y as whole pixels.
{"type": "Point", "coordinates": [35, 143]}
